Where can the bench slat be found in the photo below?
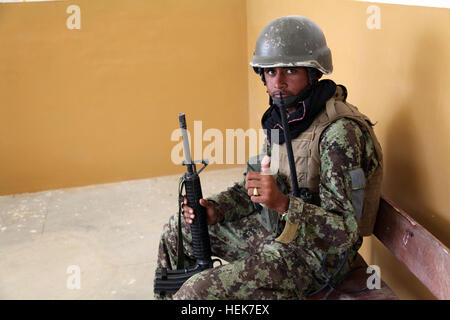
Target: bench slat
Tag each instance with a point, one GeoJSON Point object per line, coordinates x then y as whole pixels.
{"type": "Point", "coordinates": [422, 253]}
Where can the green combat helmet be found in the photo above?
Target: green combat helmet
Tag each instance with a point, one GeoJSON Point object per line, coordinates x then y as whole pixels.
{"type": "Point", "coordinates": [292, 41]}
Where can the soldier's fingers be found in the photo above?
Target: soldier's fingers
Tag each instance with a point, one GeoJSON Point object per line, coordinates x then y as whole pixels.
{"type": "Point", "coordinates": [253, 184]}
{"type": "Point", "coordinates": [253, 176]}
{"type": "Point", "coordinates": [258, 199]}
{"type": "Point", "coordinates": [189, 217]}
{"type": "Point", "coordinates": [254, 192]}
{"type": "Point", "coordinates": [265, 179]}
{"type": "Point", "coordinates": [205, 203]}
{"type": "Point", "coordinates": [188, 214]}
{"type": "Point", "coordinates": [187, 209]}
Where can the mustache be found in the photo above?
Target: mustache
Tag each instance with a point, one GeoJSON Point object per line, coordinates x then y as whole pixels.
{"type": "Point", "coordinates": [284, 93]}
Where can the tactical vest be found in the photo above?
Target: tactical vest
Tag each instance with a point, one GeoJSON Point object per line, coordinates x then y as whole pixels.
{"type": "Point", "coordinates": [307, 161]}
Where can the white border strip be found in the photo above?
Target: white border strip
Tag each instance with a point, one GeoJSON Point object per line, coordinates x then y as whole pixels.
{"type": "Point", "coordinates": [420, 3]}
{"type": "Point", "coordinates": [11, 1]}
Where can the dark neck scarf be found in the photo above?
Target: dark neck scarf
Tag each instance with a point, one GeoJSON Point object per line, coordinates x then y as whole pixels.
{"type": "Point", "coordinates": [303, 116]}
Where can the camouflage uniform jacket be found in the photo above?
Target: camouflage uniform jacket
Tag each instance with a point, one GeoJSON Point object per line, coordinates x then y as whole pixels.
{"type": "Point", "coordinates": [328, 228]}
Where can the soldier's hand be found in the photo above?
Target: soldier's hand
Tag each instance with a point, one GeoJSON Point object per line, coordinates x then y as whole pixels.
{"type": "Point", "coordinates": [267, 191]}
{"type": "Point", "coordinates": [211, 212]}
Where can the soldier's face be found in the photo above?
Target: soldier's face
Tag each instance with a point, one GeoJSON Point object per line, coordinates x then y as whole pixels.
{"type": "Point", "coordinates": [290, 81]}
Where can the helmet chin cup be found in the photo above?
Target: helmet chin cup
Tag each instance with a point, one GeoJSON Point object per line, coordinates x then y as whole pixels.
{"type": "Point", "coordinates": [292, 101]}
{"type": "Point", "coordinates": [288, 102]}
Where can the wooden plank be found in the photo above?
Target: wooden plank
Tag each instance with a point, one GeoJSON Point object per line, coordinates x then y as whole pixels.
{"type": "Point", "coordinates": [422, 253]}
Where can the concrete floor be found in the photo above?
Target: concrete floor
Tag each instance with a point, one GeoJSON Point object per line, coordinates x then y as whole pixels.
{"type": "Point", "coordinates": [107, 234]}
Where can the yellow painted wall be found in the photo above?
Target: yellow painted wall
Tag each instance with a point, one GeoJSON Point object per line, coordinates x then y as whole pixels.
{"type": "Point", "coordinates": [399, 76]}
{"type": "Point", "coordinates": [99, 104]}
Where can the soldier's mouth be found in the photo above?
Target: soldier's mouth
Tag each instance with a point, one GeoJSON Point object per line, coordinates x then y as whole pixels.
{"type": "Point", "coordinates": [283, 94]}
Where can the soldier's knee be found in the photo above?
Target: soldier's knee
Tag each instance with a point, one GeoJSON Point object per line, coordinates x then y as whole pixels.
{"type": "Point", "coordinates": [198, 287]}
{"type": "Point", "coordinates": [171, 227]}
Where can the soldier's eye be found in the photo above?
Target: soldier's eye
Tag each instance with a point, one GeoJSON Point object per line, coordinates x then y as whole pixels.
{"type": "Point", "coordinates": [269, 72]}
{"type": "Point", "coordinates": [291, 70]}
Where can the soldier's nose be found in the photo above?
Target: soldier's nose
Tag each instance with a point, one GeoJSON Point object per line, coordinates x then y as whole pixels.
{"type": "Point", "coordinates": [279, 81]}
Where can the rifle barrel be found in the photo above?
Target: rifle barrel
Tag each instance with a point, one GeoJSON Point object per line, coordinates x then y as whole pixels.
{"type": "Point", "coordinates": [186, 148]}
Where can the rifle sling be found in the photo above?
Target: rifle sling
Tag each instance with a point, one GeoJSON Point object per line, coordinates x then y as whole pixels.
{"type": "Point", "coordinates": [180, 248]}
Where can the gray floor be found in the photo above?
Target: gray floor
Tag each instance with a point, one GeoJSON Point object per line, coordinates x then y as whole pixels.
{"type": "Point", "coordinates": [94, 242]}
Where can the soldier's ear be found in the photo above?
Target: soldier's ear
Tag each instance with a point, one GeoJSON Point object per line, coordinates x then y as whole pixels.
{"type": "Point", "coordinates": [260, 71]}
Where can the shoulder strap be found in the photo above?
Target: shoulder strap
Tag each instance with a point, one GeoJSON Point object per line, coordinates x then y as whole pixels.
{"type": "Point", "coordinates": [180, 248]}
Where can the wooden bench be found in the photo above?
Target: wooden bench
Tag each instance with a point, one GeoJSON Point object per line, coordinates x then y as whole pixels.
{"type": "Point", "coordinates": [423, 254]}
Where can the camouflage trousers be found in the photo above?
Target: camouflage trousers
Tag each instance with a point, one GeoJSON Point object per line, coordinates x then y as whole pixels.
{"type": "Point", "coordinates": [258, 266]}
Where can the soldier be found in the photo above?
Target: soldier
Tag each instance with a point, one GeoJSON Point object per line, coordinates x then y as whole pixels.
{"type": "Point", "coordinates": [278, 246]}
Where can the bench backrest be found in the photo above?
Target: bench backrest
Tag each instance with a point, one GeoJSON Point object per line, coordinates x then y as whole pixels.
{"type": "Point", "coordinates": [422, 253]}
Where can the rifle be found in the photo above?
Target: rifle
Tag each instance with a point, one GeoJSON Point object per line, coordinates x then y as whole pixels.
{"type": "Point", "coordinates": [169, 281]}
{"type": "Point", "coordinates": [302, 193]}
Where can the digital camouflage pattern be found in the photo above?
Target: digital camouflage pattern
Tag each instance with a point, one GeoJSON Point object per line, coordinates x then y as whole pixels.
{"type": "Point", "coordinates": [262, 268]}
